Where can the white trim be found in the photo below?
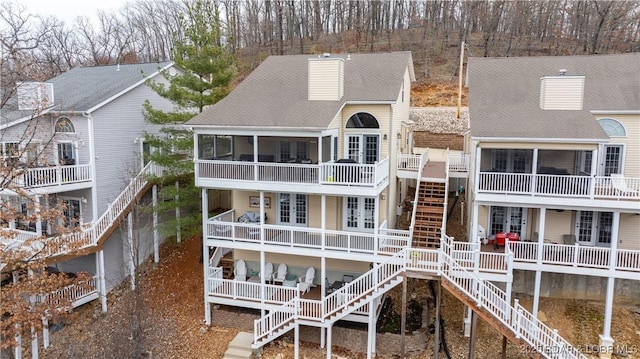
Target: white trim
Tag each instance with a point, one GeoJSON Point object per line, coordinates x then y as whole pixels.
{"type": "Point", "coordinates": [26, 118]}
{"type": "Point", "coordinates": [615, 112]}
{"type": "Point", "coordinates": [538, 140]}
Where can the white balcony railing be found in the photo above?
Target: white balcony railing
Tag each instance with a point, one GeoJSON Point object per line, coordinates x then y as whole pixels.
{"type": "Point", "coordinates": [53, 176]}
{"type": "Point", "coordinates": [458, 162]}
{"type": "Point", "coordinates": [255, 291]}
{"type": "Point", "coordinates": [72, 293]}
{"type": "Point", "coordinates": [387, 241]}
{"type": "Point", "coordinates": [559, 185]}
{"type": "Point", "coordinates": [576, 255]}
{"type": "Point", "coordinates": [329, 173]}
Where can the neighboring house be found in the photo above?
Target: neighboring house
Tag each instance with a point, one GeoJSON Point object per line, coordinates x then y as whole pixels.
{"type": "Point", "coordinates": [85, 154]}
{"type": "Point", "coordinates": [555, 159]}
{"type": "Point", "coordinates": [316, 156]}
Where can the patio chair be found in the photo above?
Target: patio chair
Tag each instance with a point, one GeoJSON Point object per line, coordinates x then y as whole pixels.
{"type": "Point", "coordinates": [281, 274]}
{"type": "Point", "coordinates": [223, 230]}
{"type": "Point", "coordinates": [620, 186]}
{"type": "Point", "coordinates": [240, 272]}
{"type": "Point", "coordinates": [569, 239]}
{"type": "Point", "coordinates": [306, 281]}
{"type": "Point", "coordinates": [267, 274]}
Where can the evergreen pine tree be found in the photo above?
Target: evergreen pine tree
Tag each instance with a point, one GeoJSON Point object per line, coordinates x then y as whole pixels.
{"type": "Point", "coordinates": [205, 69]}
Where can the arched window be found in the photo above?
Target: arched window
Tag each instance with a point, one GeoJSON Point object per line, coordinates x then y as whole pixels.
{"type": "Point", "coordinates": [612, 127]}
{"type": "Point", "coordinates": [64, 124]}
{"type": "Point", "coordinates": [362, 120]}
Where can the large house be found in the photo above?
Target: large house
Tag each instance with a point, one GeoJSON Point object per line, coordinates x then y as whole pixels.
{"type": "Point", "coordinates": [555, 162]}
{"type": "Point", "coordinates": [314, 156]}
{"type": "Point", "coordinates": [76, 142]}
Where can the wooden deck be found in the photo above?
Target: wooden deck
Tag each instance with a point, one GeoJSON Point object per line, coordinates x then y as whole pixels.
{"type": "Point", "coordinates": [434, 169]}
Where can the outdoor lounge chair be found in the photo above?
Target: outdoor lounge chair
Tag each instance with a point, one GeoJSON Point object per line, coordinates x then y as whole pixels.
{"type": "Point", "coordinates": [620, 186]}
{"type": "Point", "coordinates": [267, 275]}
{"type": "Point", "coordinates": [281, 274]}
{"type": "Point", "coordinates": [306, 281]}
{"type": "Point", "coordinates": [240, 272]}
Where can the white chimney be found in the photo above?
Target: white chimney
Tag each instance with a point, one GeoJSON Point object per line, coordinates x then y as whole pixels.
{"type": "Point", "coordinates": [562, 92]}
{"type": "Point", "coordinates": [34, 95]}
{"type": "Point", "coordinates": [326, 78]}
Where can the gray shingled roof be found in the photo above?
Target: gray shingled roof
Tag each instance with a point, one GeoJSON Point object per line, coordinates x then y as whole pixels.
{"type": "Point", "coordinates": [504, 95]}
{"type": "Point", "coordinates": [275, 93]}
{"type": "Point", "coordinates": [82, 88]}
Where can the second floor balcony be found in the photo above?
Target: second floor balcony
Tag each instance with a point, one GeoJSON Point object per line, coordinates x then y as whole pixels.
{"type": "Point", "coordinates": [624, 190]}
{"type": "Point", "coordinates": [51, 176]}
{"type": "Point", "coordinates": [298, 240]}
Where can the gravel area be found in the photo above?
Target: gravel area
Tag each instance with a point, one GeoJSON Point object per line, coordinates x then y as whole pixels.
{"type": "Point", "coordinates": [440, 119]}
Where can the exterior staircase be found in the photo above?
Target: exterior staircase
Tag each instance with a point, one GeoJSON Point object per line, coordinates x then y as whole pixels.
{"type": "Point", "coordinates": [430, 203]}
{"type": "Point", "coordinates": [429, 214]}
{"type": "Point", "coordinates": [487, 300]}
{"type": "Point", "coordinates": [94, 234]}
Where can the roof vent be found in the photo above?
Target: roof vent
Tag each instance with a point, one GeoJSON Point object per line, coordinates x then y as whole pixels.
{"type": "Point", "coordinates": [326, 54]}
{"type": "Point", "coordinates": [563, 72]}
{"type": "Point", "coordinates": [34, 95]}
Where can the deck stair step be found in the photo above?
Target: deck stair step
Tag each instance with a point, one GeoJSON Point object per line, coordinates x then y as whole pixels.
{"type": "Point", "coordinates": [240, 347]}
{"type": "Point", "coordinates": [429, 213]}
{"type": "Point", "coordinates": [276, 334]}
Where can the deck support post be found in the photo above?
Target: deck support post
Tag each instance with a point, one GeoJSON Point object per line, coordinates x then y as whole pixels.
{"type": "Point", "coordinates": [296, 339]}
{"type": "Point", "coordinates": [205, 255]}
{"type": "Point", "coordinates": [371, 332]}
{"type": "Point", "coordinates": [436, 338]}
{"type": "Point", "coordinates": [403, 313]}
{"type": "Point", "coordinates": [102, 282]}
{"type": "Point", "coordinates": [323, 337]}
{"type": "Point", "coordinates": [156, 236]}
{"type": "Point", "coordinates": [536, 289]}
{"type": "Point", "coordinates": [467, 323]}
{"type": "Point", "coordinates": [606, 341]}
{"type": "Point", "coordinates": [329, 332]}
{"type": "Point", "coordinates": [504, 347]}
{"type": "Point", "coordinates": [472, 341]}
{"type": "Point", "coordinates": [34, 343]}
{"type": "Point", "coordinates": [536, 294]}
{"type": "Point", "coordinates": [45, 332]}
{"type": "Point", "coordinates": [132, 254]}
{"type": "Point", "coordinates": [178, 224]}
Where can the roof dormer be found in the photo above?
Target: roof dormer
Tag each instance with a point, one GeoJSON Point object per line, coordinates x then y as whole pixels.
{"type": "Point", "coordinates": [326, 78]}
{"type": "Point", "coordinates": [562, 92]}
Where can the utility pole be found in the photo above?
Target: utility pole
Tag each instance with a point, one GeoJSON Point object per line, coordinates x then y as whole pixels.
{"type": "Point", "coordinates": [460, 79]}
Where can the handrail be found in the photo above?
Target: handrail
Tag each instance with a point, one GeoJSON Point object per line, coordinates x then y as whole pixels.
{"type": "Point", "coordinates": [522, 323]}
{"type": "Point", "coordinates": [423, 160]}
{"type": "Point", "coordinates": [91, 234]}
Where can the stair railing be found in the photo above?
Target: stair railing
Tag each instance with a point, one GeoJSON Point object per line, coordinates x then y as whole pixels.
{"type": "Point", "coordinates": [521, 322]}
{"type": "Point", "coordinates": [423, 161]}
{"type": "Point", "coordinates": [91, 234]}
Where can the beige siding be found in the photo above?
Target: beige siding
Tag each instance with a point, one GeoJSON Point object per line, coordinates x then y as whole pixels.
{"type": "Point", "coordinates": [326, 79]}
{"type": "Point", "coordinates": [558, 224]}
{"type": "Point", "coordinates": [561, 92]}
{"type": "Point", "coordinates": [381, 112]}
{"type": "Point", "coordinates": [631, 125]}
{"type": "Point", "coordinates": [628, 233]}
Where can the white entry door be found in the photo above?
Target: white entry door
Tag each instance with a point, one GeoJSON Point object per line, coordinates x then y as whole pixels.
{"type": "Point", "coordinates": [292, 209]}
{"type": "Point", "coordinates": [594, 228]}
{"type": "Point", "coordinates": [508, 219]}
{"type": "Point", "coordinates": [359, 214]}
{"type": "Point", "coordinates": [363, 148]}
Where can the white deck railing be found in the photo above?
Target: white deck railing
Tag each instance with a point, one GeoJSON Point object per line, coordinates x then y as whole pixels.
{"type": "Point", "coordinates": [408, 162]}
{"type": "Point", "coordinates": [493, 300]}
{"type": "Point", "coordinates": [243, 290]}
{"type": "Point", "coordinates": [387, 241]}
{"type": "Point", "coordinates": [458, 162]}
{"type": "Point", "coordinates": [558, 185]}
{"type": "Point", "coordinates": [329, 173]}
{"type": "Point", "coordinates": [53, 176]}
{"type": "Point", "coordinates": [575, 255]}
{"type": "Point", "coordinates": [89, 233]}
{"type": "Point", "coordinates": [72, 293]}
